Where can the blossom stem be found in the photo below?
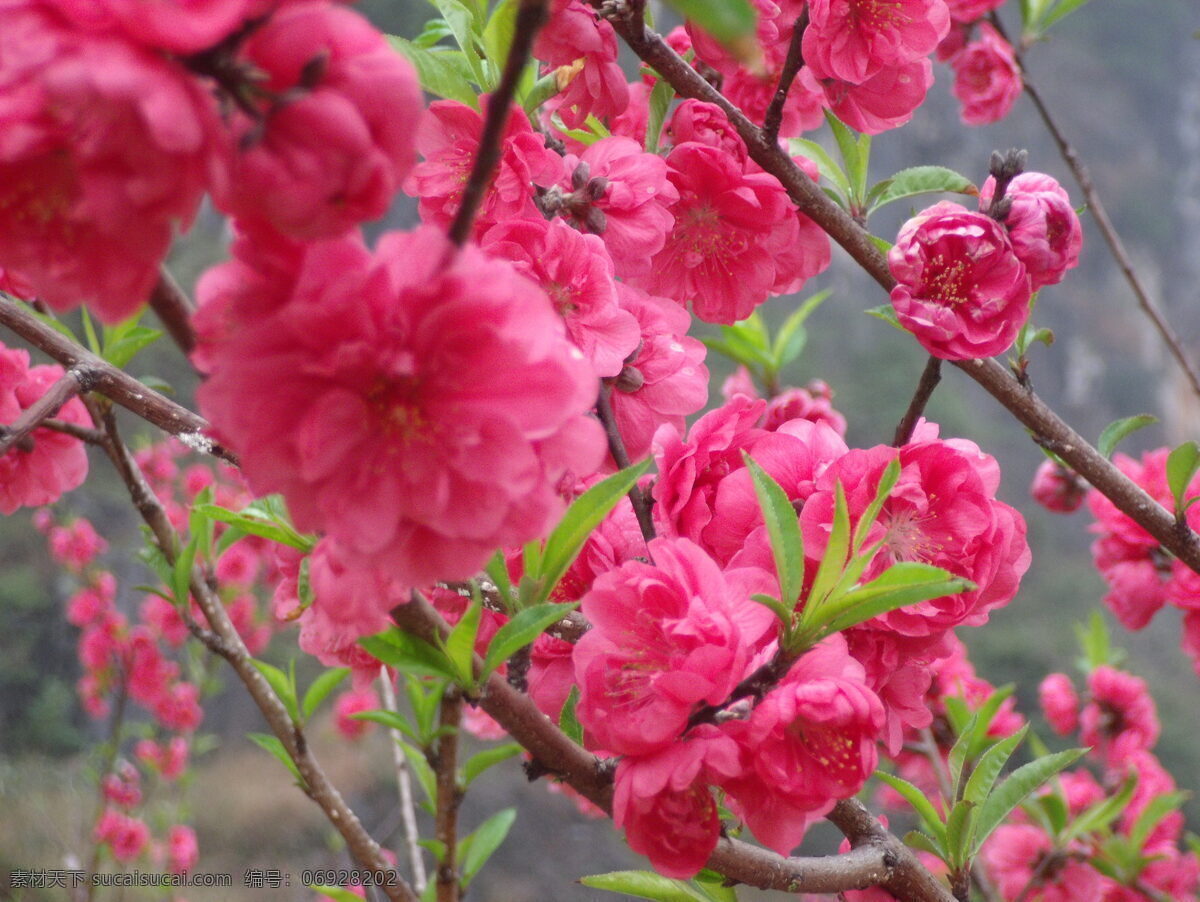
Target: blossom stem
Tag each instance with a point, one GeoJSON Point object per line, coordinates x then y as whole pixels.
{"type": "Point", "coordinates": [113, 382]}
{"type": "Point", "coordinates": [448, 795]}
{"type": "Point", "coordinates": [1111, 237]}
{"type": "Point", "coordinates": [75, 381]}
{"type": "Point", "coordinates": [773, 118]}
{"type": "Point", "coordinates": [930, 377]}
{"type": "Point", "coordinates": [531, 14]}
{"type": "Point", "coordinates": [1048, 428]}
{"type": "Point", "coordinates": [408, 817]}
{"type": "Point", "coordinates": [616, 445]}
{"type": "Point", "coordinates": [174, 309]}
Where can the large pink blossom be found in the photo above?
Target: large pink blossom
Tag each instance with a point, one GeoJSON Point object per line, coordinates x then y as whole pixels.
{"type": "Point", "coordinates": [1016, 857]}
{"type": "Point", "coordinates": [177, 26]}
{"type": "Point", "coordinates": [1060, 703]}
{"type": "Point", "coordinates": [39, 470]}
{"type": "Point", "coordinates": [967, 11]}
{"type": "Point", "coordinates": [665, 638]}
{"type": "Point", "coordinates": [447, 139]}
{"type": "Point", "coordinates": [886, 100]}
{"type": "Point", "coordinates": [576, 38]}
{"type": "Point", "coordinates": [103, 155]}
{"type": "Point", "coordinates": [327, 150]}
{"type": "Point", "coordinates": [1042, 225]}
{"type": "Point", "coordinates": [1058, 488]}
{"type": "Point", "coordinates": [576, 272]}
{"type": "Point", "coordinates": [851, 40]}
{"type": "Point", "coordinates": [960, 288]}
{"type": "Point", "coordinates": [1119, 718]}
{"type": "Point", "coordinates": [987, 78]}
{"type": "Point", "coordinates": [396, 424]}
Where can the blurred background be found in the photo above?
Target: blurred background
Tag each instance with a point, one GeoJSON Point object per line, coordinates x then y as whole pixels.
{"type": "Point", "coordinates": [1123, 80]}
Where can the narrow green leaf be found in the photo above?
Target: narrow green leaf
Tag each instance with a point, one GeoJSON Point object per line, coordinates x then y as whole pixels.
{"type": "Point", "coordinates": [956, 758]}
{"type": "Point", "coordinates": [1099, 816]}
{"type": "Point", "coordinates": [441, 72]}
{"type": "Point", "coordinates": [833, 562]}
{"type": "Point", "coordinates": [462, 24]}
{"type": "Point", "coordinates": [915, 839]}
{"type": "Point", "coordinates": [714, 889]}
{"type": "Point", "coordinates": [584, 515]}
{"type": "Point", "coordinates": [1158, 808]}
{"type": "Point", "coordinates": [433, 33]}
{"type": "Point", "coordinates": [481, 761]}
{"type": "Point", "coordinates": [485, 840]}
{"type": "Point", "coordinates": [253, 521]}
{"type": "Point", "coordinates": [902, 584]}
{"type": "Point", "coordinates": [408, 653]}
{"type": "Point", "coordinates": [921, 805]}
{"type": "Point", "coordinates": [460, 644]}
{"type": "Point", "coordinates": [568, 722]}
{"type": "Point", "coordinates": [991, 763]}
{"type": "Point", "coordinates": [421, 771]}
{"type": "Point", "coordinates": [1095, 642]}
{"type": "Point", "coordinates": [498, 33]}
{"type": "Point", "coordinates": [120, 352]}
{"type": "Point", "coordinates": [728, 21]}
{"type": "Point", "coordinates": [887, 313]}
{"type": "Point", "coordinates": [89, 332]}
{"type": "Point", "coordinates": [826, 167]}
{"type": "Point", "coordinates": [521, 630]}
{"type": "Point", "coordinates": [1050, 811]}
{"type": "Point", "coordinates": [921, 180]}
{"type": "Point", "coordinates": [783, 528]}
{"type": "Point", "coordinates": [1060, 12]}
{"type": "Point", "coordinates": [320, 689]}
{"type": "Point", "coordinates": [958, 833]}
{"type": "Point", "coordinates": [791, 337]}
{"type": "Point", "coordinates": [1009, 794]}
{"type": "Point", "coordinates": [1115, 431]}
{"type": "Point", "coordinates": [644, 885]}
{"type": "Point", "coordinates": [181, 573]}
{"type": "Point", "coordinates": [497, 570]}
{"type": "Point", "coordinates": [660, 102]}
{"type": "Point", "coordinates": [853, 156]}
{"type": "Point", "coordinates": [282, 686]}
{"type": "Point", "coordinates": [781, 610]}
{"type": "Point", "coordinates": [887, 482]}
{"type": "Point", "coordinates": [393, 720]}
{"type": "Point", "coordinates": [1182, 464]}
{"type": "Point", "coordinates": [984, 715]}
{"type": "Point", "coordinates": [275, 747]}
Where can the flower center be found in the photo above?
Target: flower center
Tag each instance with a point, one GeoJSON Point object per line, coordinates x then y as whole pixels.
{"type": "Point", "coordinates": [873, 14]}
{"type": "Point", "coordinates": [947, 282]}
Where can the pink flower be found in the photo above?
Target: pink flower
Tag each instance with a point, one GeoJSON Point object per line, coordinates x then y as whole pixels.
{"type": "Point", "coordinates": [331, 147]}
{"type": "Point", "coordinates": [1119, 718]}
{"type": "Point", "coordinates": [354, 701]}
{"type": "Point", "coordinates": [665, 805]}
{"type": "Point", "coordinates": [1057, 488]}
{"type": "Point", "coordinates": [636, 119]}
{"type": "Point", "coordinates": [961, 290]}
{"type": "Point", "coordinates": [399, 427]}
{"type": "Point", "coordinates": [148, 673]}
{"type": "Point", "coordinates": [730, 226]}
{"type": "Point", "coordinates": [17, 285]}
{"type": "Point", "coordinates": [810, 741]}
{"type": "Point", "coordinates": [886, 100]}
{"type": "Point", "coordinates": [183, 852]}
{"type": "Point", "coordinates": [576, 272]}
{"type": "Point", "coordinates": [77, 545]}
{"type": "Point", "coordinates": [164, 620]}
{"type": "Point", "coordinates": [1042, 225]}
{"type": "Point", "coordinates": [851, 40]}
{"type": "Point", "coordinates": [813, 403]}
{"type": "Point", "coordinates": [576, 38]}
{"type": "Point", "coordinates": [50, 463]}
{"type": "Point", "coordinates": [665, 638]}
{"type": "Point", "coordinates": [705, 123]}
{"type": "Point", "coordinates": [103, 159]}
{"type": "Point", "coordinates": [448, 137]}
{"type": "Point", "coordinates": [170, 759]}
{"type": "Point", "coordinates": [632, 195]}
{"type": "Point", "coordinates": [1060, 703]}
{"type": "Point", "coordinates": [967, 11]}
{"type": "Point", "coordinates": [987, 78]}
{"type": "Point", "coordinates": [179, 708]}
{"type": "Point", "coordinates": [1015, 855]}
{"type": "Point", "coordinates": [664, 379]}
{"type": "Point", "coordinates": [126, 836]}
{"type": "Point", "coordinates": [123, 786]}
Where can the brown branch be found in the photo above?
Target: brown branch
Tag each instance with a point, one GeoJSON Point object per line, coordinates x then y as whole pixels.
{"type": "Point", "coordinates": [448, 795]}
{"type": "Point", "coordinates": [880, 859]}
{"type": "Point", "coordinates": [531, 14]}
{"type": "Point", "coordinates": [83, 433]}
{"type": "Point", "coordinates": [189, 427]}
{"type": "Point", "coordinates": [930, 377]}
{"type": "Point", "coordinates": [75, 381]}
{"type": "Point", "coordinates": [1048, 428]}
{"type": "Point", "coordinates": [228, 644]}
{"type": "Point", "coordinates": [174, 310]}
{"type": "Point", "coordinates": [773, 118]}
{"type": "Point", "coordinates": [408, 816]}
{"type": "Point", "coordinates": [616, 445]}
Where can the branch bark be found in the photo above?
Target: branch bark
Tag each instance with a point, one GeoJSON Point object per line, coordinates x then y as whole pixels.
{"type": "Point", "coordinates": [448, 796]}
{"type": "Point", "coordinates": [930, 377]}
{"type": "Point", "coordinates": [75, 381]}
{"type": "Point", "coordinates": [174, 310]}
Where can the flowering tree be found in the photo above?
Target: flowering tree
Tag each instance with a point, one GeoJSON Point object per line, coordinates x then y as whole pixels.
{"type": "Point", "coordinates": [460, 461]}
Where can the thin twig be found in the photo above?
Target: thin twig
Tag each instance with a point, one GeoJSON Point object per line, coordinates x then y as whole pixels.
{"type": "Point", "coordinates": [174, 309]}
{"type": "Point", "coordinates": [408, 816]}
{"type": "Point", "coordinates": [1111, 237]}
{"type": "Point", "coordinates": [531, 14]}
{"type": "Point", "coordinates": [930, 377]}
{"type": "Point", "coordinates": [791, 68]}
{"type": "Point", "coordinates": [191, 428]}
{"type": "Point", "coordinates": [75, 381]}
{"type": "Point", "coordinates": [448, 795]}
{"type": "Point", "coordinates": [83, 433]}
{"type": "Point", "coordinates": [111, 751]}
{"type": "Point", "coordinates": [616, 445]}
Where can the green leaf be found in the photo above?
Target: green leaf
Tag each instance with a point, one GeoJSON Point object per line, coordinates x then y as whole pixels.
{"type": "Point", "coordinates": [781, 610]}
{"type": "Point", "coordinates": [855, 150]}
{"type": "Point", "coordinates": [408, 653]}
{"type": "Point", "coordinates": [921, 180]}
{"type": "Point", "coordinates": [729, 21]}
{"type": "Point", "coordinates": [421, 771]}
{"type": "Point", "coordinates": [1115, 431]}
{"type": "Point", "coordinates": [991, 763]}
{"type": "Point", "coordinates": [320, 689]}
{"type": "Point", "coordinates": [1158, 808]}
{"type": "Point", "coordinates": [460, 644]}
{"type": "Point", "coordinates": [887, 482]}
{"type": "Point", "coordinates": [181, 573]}
{"type": "Point", "coordinates": [921, 805]}
{"type": "Point", "coordinates": [915, 839]}
{"type": "Point", "coordinates": [275, 747]}
{"type": "Point", "coordinates": [441, 72]}
{"type": "Point", "coordinates": [644, 885]}
{"type": "Point", "coordinates": [485, 840]}
{"type": "Point", "coordinates": [1020, 783]}
{"type": "Point", "coordinates": [498, 33]}
{"type": "Point", "coordinates": [1051, 810]}
{"type": "Point", "coordinates": [1095, 642]}
{"type": "Point", "coordinates": [200, 526]}
{"type": "Point", "coordinates": [481, 761]}
{"type": "Point", "coordinates": [882, 243]}
{"type": "Point", "coordinates": [902, 584]}
{"type": "Point", "coordinates": [833, 562]}
{"type": "Point", "coordinates": [660, 102]}
{"type": "Point", "coordinates": [568, 722]}
{"type": "Point", "coordinates": [497, 570]}
{"type": "Point", "coordinates": [521, 630]}
{"type": "Point", "coordinates": [783, 528]}
{"type": "Point", "coordinates": [791, 337]}
{"type": "Point", "coordinates": [89, 332]}
{"type": "Point", "coordinates": [887, 313]}
{"type": "Point", "coordinates": [958, 833]}
{"type": "Point", "coordinates": [337, 893]}
{"type": "Point", "coordinates": [712, 885]}
{"type": "Point", "coordinates": [281, 684]}
{"type": "Point", "coordinates": [393, 720]}
{"type": "Point", "coordinates": [826, 167]}
{"type": "Point", "coordinates": [257, 521]}
{"type": "Point", "coordinates": [1182, 464]}
{"type": "Point", "coordinates": [584, 515]}
{"type": "Point", "coordinates": [433, 33]}
{"type": "Point", "coordinates": [1061, 11]}
{"type": "Point", "coordinates": [1100, 815]}
{"type": "Point", "coordinates": [978, 740]}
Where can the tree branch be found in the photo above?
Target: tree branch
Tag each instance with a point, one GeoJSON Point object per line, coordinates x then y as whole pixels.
{"type": "Point", "coordinates": [616, 445]}
{"type": "Point", "coordinates": [174, 310]}
{"type": "Point", "coordinates": [930, 377]}
{"type": "Point", "coordinates": [189, 427]}
{"type": "Point", "coordinates": [408, 817]}
{"type": "Point", "coordinates": [773, 118]}
{"type": "Point", "coordinates": [75, 381]}
{"type": "Point", "coordinates": [448, 796]}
